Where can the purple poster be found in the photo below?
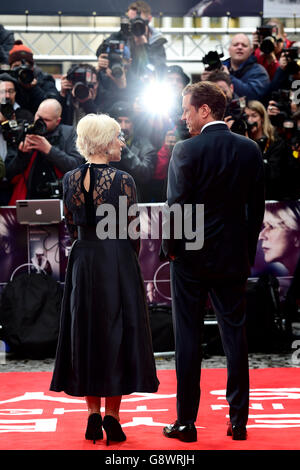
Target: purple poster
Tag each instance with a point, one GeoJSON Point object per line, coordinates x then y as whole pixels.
{"type": "Point", "coordinates": [278, 249]}
{"type": "Point", "coordinates": [13, 244]}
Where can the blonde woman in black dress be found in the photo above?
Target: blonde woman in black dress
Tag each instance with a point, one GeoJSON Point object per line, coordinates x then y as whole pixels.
{"type": "Point", "coordinates": [104, 347]}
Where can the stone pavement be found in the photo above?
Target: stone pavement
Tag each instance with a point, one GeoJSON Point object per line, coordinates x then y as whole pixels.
{"type": "Point", "coordinates": [256, 361]}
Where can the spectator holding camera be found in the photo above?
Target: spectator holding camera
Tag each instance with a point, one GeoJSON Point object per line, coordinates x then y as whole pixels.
{"type": "Point", "coordinates": [34, 86]}
{"type": "Point", "coordinates": [143, 47]}
{"type": "Point", "coordinates": [44, 156]}
{"type": "Point", "coordinates": [83, 92]}
{"type": "Point", "coordinates": [138, 157]}
{"type": "Point", "coordinates": [249, 78]}
{"type": "Point", "coordinates": [10, 111]}
{"type": "Point", "coordinates": [147, 47]}
{"type": "Point", "coordinates": [276, 152]}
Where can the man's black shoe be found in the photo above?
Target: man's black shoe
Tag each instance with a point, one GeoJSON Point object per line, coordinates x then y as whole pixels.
{"type": "Point", "coordinates": [185, 433]}
{"type": "Point", "coordinates": [238, 433]}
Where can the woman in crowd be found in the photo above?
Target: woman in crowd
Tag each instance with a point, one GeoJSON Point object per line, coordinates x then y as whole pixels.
{"type": "Point", "coordinates": [280, 235]}
{"type": "Point", "coordinates": [276, 152]}
{"type": "Point", "coordinates": [104, 347]}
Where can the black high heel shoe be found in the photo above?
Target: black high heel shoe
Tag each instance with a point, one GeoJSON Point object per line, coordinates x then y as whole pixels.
{"type": "Point", "coordinates": [94, 427]}
{"type": "Point", "coordinates": [113, 430]}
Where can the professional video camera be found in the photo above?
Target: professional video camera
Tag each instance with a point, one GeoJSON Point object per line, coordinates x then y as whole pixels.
{"type": "Point", "coordinates": [283, 103]}
{"type": "Point", "coordinates": [115, 50]}
{"type": "Point", "coordinates": [82, 80]}
{"type": "Point", "coordinates": [15, 132]}
{"type": "Point", "coordinates": [292, 56]}
{"type": "Point", "coordinates": [136, 26]}
{"type": "Point", "coordinates": [212, 60]}
{"type": "Point", "coordinates": [267, 39]}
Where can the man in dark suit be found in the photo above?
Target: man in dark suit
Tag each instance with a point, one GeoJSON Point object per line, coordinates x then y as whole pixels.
{"type": "Point", "coordinates": [224, 172]}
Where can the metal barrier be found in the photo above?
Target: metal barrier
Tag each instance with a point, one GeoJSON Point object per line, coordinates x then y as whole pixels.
{"type": "Point", "coordinates": [78, 44]}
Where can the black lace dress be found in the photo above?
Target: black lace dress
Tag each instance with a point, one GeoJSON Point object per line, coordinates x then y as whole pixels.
{"type": "Point", "coordinates": [104, 346]}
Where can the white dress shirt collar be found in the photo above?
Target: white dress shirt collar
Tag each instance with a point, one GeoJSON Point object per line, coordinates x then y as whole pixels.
{"type": "Point", "coordinates": [210, 124]}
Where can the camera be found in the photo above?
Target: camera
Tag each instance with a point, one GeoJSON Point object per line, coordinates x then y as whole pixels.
{"type": "Point", "coordinates": [23, 73]}
{"type": "Point", "coordinates": [212, 60]}
{"type": "Point", "coordinates": [15, 132]}
{"type": "Point", "coordinates": [7, 110]}
{"type": "Point", "coordinates": [136, 26]}
{"type": "Point", "coordinates": [236, 109]}
{"type": "Point", "coordinates": [115, 50]}
{"type": "Point", "coordinates": [51, 189]}
{"type": "Point", "coordinates": [283, 103]}
{"type": "Point", "coordinates": [292, 55]}
{"type": "Point", "coordinates": [82, 80]}
{"type": "Point", "coordinates": [266, 38]}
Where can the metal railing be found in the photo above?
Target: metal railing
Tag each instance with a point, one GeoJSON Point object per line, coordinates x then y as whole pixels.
{"type": "Point", "coordinates": [57, 44]}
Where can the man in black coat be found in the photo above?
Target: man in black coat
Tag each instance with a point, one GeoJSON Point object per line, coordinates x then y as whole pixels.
{"type": "Point", "coordinates": [35, 168]}
{"type": "Point", "coordinates": [222, 173]}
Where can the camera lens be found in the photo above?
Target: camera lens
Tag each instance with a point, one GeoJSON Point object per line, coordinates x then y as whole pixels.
{"type": "Point", "coordinates": [268, 45]}
{"type": "Point", "coordinates": [26, 76]}
{"type": "Point", "coordinates": [138, 27]}
{"type": "Point", "coordinates": [81, 91]}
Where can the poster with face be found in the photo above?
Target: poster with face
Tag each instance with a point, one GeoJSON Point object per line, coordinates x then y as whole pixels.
{"type": "Point", "coordinates": [156, 274]}
{"type": "Point", "coordinates": [281, 8]}
{"type": "Point", "coordinates": [278, 248]}
{"type": "Point", "coordinates": [234, 8]}
{"type": "Point", "coordinates": [13, 244]}
{"type": "Point", "coordinates": [44, 250]}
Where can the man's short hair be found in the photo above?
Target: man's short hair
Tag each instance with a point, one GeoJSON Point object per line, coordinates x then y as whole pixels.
{"type": "Point", "coordinates": [219, 76]}
{"type": "Point", "coordinates": [140, 6]}
{"type": "Point", "coordinates": [207, 93]}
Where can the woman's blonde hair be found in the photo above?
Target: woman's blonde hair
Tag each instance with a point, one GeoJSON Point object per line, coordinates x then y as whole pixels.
{"type": "Point", "coordinates": [268, 129]}
{"type": "Point", "coordinates": [95, 133]}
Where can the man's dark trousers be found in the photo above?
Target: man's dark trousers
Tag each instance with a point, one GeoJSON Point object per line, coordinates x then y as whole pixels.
{"type": "Point", "coordinates": [189, 296]}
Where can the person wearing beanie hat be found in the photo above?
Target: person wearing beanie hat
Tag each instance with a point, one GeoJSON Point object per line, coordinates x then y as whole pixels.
{"type": "Point", "coordinates": [34, 85]}
{"type": "Point", "coordinates": [20, 53]}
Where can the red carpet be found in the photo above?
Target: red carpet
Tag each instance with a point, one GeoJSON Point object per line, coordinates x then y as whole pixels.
{"type": "Point", "coordinates": [33, 418]}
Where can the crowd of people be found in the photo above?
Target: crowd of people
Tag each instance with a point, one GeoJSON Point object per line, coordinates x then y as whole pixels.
{"type": "Point", "coordinates": [38, 120]}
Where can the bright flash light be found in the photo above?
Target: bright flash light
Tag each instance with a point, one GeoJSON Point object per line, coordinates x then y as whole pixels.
{"type": "Point", "coordinates": [158, 98]}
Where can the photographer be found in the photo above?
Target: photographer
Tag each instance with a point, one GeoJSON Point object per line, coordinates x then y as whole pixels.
{"type": "Point", "coordinates": [269, 41]}
{"type": "Point", "coordinates": [38, 164]}
{"type": "Point", "coordinates": [143, 46]}
{"type": "Point", "coordinates": [276, 152]}
{"type": "Point", "coordinates": [234, 113]}
{"type": "Point", "coordinates": [249, 78]}
{"type": "Point", "coordinates": [138, 156]}
{"type": "Point", "coordinates": [82, 93]}
{"type": "Point", "coordinates": [12, 112]}
{"type": "Point", "coordinates": [9, 108]}
{"type": "Point", "coordinates": [34, 86]}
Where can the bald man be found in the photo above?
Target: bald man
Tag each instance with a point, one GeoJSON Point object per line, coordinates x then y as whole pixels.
{"type": "Point", "coordinates": [249, 78]}
{"type": "Point", "coordinates": [41, 160]}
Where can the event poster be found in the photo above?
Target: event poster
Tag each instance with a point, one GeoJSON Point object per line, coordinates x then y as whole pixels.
{"type": "Point", "coordinates": [115, 8]}
{"type": "Point", "coordinates": [47, 248]}
{"type": "Point", "coordinates": [13, 244]}
{"type": "Point", "coordinates": [232, 8]}
{"type": "Point", "coordinates": [281, 8]}
{"type": "Point", "coordinates": [44, 250]}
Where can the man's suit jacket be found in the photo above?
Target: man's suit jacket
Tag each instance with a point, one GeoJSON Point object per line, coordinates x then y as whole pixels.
{"type": "Point", "coordinates": [223, 171]}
